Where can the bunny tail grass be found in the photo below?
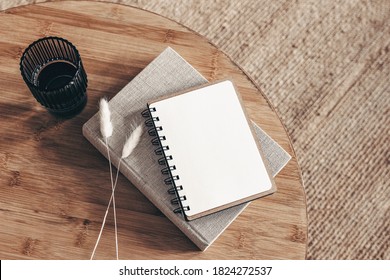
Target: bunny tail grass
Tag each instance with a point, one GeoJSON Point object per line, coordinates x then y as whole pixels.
{"type": "Point", "coordinates": [105, 118]}
{"type": "Point", "coordinates": [132, 142]}
{"type": "Point", "coordinates": [106, 130]}
{"type": "Point", "coordinates": [128, 147]}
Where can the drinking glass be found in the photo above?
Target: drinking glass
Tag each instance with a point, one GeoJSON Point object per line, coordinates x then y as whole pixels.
{"type": "Point", "coordinates": [52, 69]}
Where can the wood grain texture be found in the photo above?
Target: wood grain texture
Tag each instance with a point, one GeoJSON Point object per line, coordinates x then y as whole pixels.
{"type": "Point", "coordinates": [54, 186]}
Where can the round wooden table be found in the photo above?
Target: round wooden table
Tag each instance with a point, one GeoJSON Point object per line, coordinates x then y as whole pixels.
{"type": "Point", "coordinates": [55, 185]}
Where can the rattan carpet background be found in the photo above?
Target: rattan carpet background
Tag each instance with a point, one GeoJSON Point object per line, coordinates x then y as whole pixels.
{"type": "Point", "coordinates": [325, 67]}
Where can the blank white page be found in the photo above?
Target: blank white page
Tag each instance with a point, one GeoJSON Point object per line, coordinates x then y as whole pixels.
{"type": "Point", "coordinates": [215, 154]}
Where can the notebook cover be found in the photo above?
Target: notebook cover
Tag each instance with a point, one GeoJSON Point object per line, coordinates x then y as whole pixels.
{"type": "Point", "coordinates": [208, 172]}
{"type": "Point", "coordinates": [166, 74]}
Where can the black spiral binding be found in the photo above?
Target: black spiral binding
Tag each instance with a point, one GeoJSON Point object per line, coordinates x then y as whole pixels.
{"type": "Point", "coordinates": [161, 150]}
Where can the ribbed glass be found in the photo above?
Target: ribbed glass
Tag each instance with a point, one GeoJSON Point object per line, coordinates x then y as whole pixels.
{"type": "Point", "coordinates": [54, 73]}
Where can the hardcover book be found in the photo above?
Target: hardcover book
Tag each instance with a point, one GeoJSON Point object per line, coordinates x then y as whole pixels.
{"type": "Point", "coordinates": [168, 73]}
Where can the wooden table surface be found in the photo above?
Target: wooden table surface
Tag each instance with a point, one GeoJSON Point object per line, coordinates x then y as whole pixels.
{"type": "Point", "coordinates": [54, 185]}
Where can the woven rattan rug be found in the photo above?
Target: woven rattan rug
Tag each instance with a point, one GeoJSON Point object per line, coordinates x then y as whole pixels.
{"type": "Point", "coordinates": [325, 67]}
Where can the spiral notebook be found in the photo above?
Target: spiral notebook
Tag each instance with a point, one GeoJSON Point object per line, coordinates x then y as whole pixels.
{"type": "Point", "coordinates": [211, 164]}
{"type": "Point", "coordinates": [168, 73]}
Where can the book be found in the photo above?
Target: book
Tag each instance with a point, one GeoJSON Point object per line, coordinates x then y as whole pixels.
{"type": "Point", "coordinates": [212, 165]}
{"type": "Point", "coordinates": [166, 74]}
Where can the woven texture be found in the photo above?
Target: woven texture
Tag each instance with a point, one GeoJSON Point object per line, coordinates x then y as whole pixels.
{"type": "Point", "coordinates": [325, 68]}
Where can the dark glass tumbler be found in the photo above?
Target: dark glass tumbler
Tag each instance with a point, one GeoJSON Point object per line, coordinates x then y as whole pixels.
{"type": "Point", "coordinates": [52, 69]}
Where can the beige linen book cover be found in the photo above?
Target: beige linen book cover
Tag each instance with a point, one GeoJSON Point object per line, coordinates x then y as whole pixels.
{"type": "Point", "coordinates": [166, 74]}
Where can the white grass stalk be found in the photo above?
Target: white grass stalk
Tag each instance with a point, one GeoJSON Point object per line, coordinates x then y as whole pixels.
{"type": "Point", "coordinates": [128, 148]}
{"type": "Point", "coordinates": [106, 129]}
{"type": "Point", "coordinates": [132, 142]}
